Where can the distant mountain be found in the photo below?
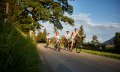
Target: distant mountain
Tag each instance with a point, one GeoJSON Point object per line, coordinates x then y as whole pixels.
{"type": "Point", "coordinates": [110, 41]}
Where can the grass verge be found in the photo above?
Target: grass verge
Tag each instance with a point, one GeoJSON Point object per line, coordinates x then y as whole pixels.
{"type": "Point", "coordinates": [106, 54]}
{"type": "Point", "coordinates": [17, 52]}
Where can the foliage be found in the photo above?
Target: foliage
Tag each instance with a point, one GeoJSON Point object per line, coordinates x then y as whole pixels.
{"type": "Point", "coordinates": [17, 53]}
{"type": "Point", "coordinates": [38, 37]}
{"type": "Point", "coordinates": [44, 34]}
{"type": "Point", "coordinates": [53, 40]}
{"type": "Point", "coordinates": [101, 47]}
{"type": "Point", "coordinates": [29, 12]}
{"type": "Point", "coordinates": [95, 43]}
{"type": "Point", "coordinates": [117, 42]}
{"type": "Point", "coordinates": [63, 40]}
{"type": "Point", "coordinates": [41, 37]}
{"type": "Point", "coordinates": [81, 37]}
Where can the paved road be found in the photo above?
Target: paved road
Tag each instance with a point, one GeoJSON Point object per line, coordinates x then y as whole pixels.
{"type": "Point", "coordinates": [65, 61]}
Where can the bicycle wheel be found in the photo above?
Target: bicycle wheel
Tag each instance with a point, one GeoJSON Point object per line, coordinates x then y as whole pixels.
{"type": "Point", "coordinates": [55, 46]}
{"type": "Point", "coordinates": [58, 46]}
{"type": "Point", "coordinates": [78, 49]}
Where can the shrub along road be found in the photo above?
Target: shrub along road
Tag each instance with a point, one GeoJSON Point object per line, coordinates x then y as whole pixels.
{"type": "Point", "coordinates": [65, 61]}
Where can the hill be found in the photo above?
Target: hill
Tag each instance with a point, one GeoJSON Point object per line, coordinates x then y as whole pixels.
{"type": "Point", "coordinates": [110, 41]}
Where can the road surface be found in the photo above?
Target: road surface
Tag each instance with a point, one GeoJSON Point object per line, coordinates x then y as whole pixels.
{"type": "Point", "coordinates": [65, 61]}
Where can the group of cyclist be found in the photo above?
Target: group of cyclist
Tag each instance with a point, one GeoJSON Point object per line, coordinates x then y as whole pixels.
{"type": "Point", "coordinates": [70, 40]}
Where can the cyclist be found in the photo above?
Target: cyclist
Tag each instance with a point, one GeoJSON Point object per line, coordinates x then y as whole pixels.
{"type": "Point", "coordinates": [74, 33]}
{"type": "Point", "coordinates": [57, 42]}
{"type": "Point", "coordinates": [48, 37]}
{"type": "Point", "coordinates": [67, 37]}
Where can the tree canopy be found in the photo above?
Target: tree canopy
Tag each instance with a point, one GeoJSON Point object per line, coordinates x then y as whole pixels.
{"type": "Point", "coordinates": [95, 41]}
{"type": "Point", "coordinates": [82, 35]}
{"type": "Point", "coordinates": [28, 12]}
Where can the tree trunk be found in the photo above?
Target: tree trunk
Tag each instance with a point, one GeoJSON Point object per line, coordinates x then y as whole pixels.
{"type": "Point", "coordinates": [7, 11]}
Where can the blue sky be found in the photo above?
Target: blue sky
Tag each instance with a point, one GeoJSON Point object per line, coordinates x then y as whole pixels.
{"type": "Point", "coordinates": [101, 10]}
{"type": "Point", "coordinates": [98, 17]}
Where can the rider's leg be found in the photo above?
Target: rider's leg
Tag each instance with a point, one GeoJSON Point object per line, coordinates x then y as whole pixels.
{"type": "Point", "coordinates": [59, 47]}
{"type": "Point", "coordinates": [55, 45]}
{"type": "Point", "coordinates": [48, 42]}
{"type": "Point", "coordinates": [67, 45]}
{"type": "Point", "coordinates": [72, 45]}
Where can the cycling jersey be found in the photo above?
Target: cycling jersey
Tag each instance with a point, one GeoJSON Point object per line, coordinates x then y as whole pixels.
{"type": "Point", "coordinates": [48, 36]}
{"type": "Point", "coordinates": [67, 36]}
{"type": "Point", "coordinates": [74, 34]}
{"type": "Point", "coordinates": [57, 38]}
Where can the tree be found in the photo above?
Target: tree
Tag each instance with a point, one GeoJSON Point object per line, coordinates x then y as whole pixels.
{"type": "Point", "coordinates": [44, 34]}
{"type": "Point", "coordinates": [82, 36]}
{"type": "Point", "coordinates": [41, 37]}
{"type": "Point", "coordinates": [46, 10]}
{"type": "Point", "coordinates": [26, 13]}
{"type": "Point", "coordinates": [38, 37]}
{"type": "Point", "coordinates": [53, 39]}
{"type": "Point", "coordinates": [117, 41]}
{"type": "Point", "coordinates": [95, 43]}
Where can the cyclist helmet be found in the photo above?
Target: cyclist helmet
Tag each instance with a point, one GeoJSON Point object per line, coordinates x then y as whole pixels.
{"type": "Point", "coordinates": [57, 33]}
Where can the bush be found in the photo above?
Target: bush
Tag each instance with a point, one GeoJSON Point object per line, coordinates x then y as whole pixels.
{"type": "Point", "coordinates": [40, 38]}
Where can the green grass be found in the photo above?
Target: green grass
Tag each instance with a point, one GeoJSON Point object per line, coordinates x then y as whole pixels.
{"type": "Point", "coordinates": [106, 54]}
{"type": "Point", "coordinates": [17, 52]}
{"type": "Point", "coordinates": [100, 53]}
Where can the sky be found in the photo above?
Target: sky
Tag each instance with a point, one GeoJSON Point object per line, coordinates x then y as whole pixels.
{"type": "Point", "coordinates": [98, 17]}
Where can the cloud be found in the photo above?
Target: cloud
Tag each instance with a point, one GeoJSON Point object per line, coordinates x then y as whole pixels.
{"type": "Point", "coordinates": [104, 31]}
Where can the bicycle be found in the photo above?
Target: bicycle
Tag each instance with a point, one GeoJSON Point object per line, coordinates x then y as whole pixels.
{"type": "Point", "coordinates": [78, 46]}
{"type": "Point", "coordinates": [78, 49]}
{"type": "Point", "coordinates": [67, 44]}
{"type": "Point", "coordinates": [57, 45]}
